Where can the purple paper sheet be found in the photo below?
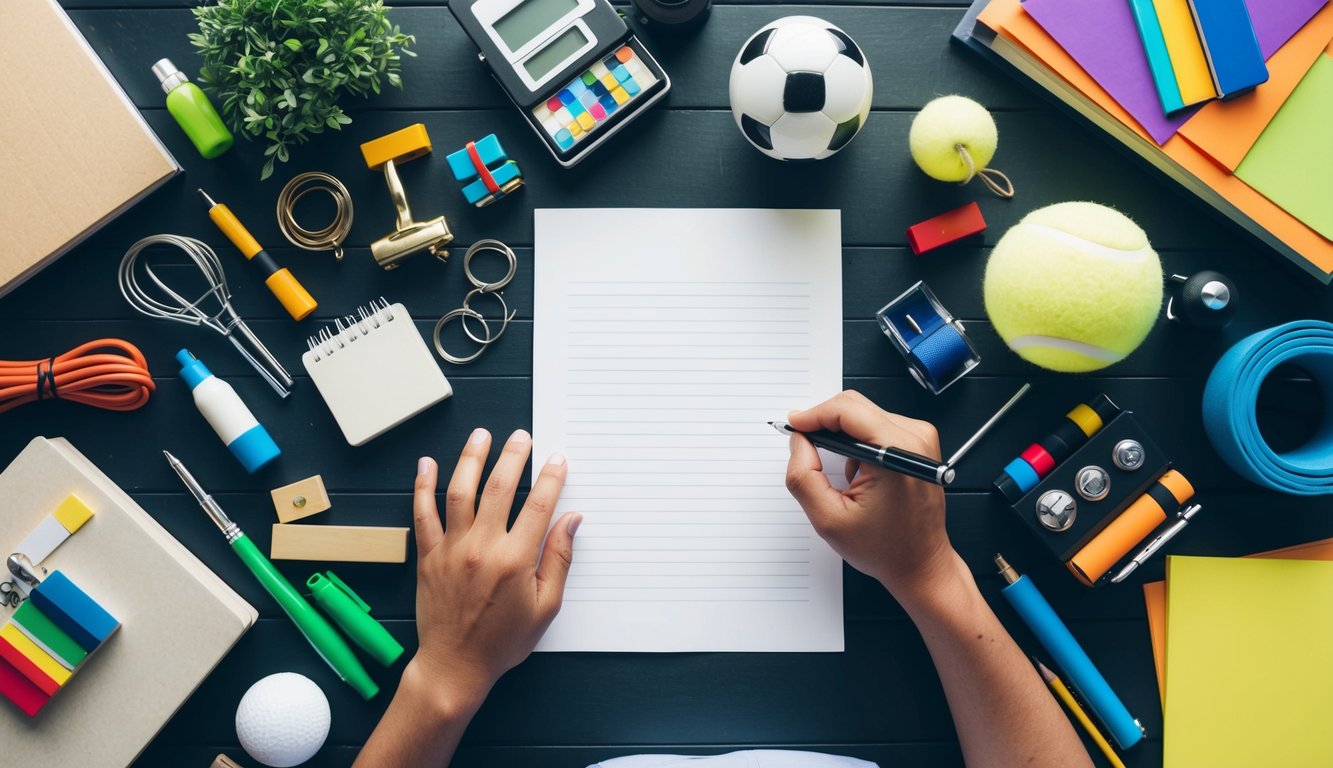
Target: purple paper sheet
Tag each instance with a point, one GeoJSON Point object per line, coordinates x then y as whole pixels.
{"type": "Point", "coordinates": [1102, 37]}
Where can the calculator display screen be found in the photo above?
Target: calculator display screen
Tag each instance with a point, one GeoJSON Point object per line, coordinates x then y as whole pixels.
{"type": "Point", "coordinates": [529, 19]}
{"type": "Point", "coordinates": [554, 55]}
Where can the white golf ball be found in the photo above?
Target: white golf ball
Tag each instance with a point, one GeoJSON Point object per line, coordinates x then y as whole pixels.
{"type": "Point", "coordinates": [283, 720]}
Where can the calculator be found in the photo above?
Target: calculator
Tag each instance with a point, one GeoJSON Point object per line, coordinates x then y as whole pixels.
{"type": "Point", "coordinates": [572, 67]}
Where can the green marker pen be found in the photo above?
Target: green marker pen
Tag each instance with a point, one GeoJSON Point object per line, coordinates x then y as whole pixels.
{"type": "Point", "coordinates": [193, 111]}
{"type": "Point", "coordinates": [351, 613]}
{"type": "Point", "coordinates": [322, 636]}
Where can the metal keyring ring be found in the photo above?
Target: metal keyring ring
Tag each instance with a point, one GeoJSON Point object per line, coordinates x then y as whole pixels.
{"type": "Point", "coordinates": [506, 315]}
{"type": "Point", "coordinates": [461, 312]}
{"type": "Point", "coordinates": [498, 247]}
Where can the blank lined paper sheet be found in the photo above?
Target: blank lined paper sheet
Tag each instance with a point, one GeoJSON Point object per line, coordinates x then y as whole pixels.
{"type": "Point", "coordinates": [664, 340]}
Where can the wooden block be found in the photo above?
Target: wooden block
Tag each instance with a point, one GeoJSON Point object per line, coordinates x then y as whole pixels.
{"type": "Point", "coordinates": [46, 635]}
{"type": "Point", "coordinates": [946, 228]}
{"type": "Point", "coordinates": [71, 609]}
{"type": "Point", "coordinates": [37, 665]}
{"type": "Point", "coordinates": [302, 498]}
{"type": "Point", "coordinates": [339, 543]}
{"type": "Point", "coordinates": [20, 690]}
{"type": "Point", "coordinates": [222, 761]}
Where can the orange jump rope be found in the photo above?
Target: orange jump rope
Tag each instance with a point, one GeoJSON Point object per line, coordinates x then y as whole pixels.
{"type": "Point", "coordinates": [90, 373]}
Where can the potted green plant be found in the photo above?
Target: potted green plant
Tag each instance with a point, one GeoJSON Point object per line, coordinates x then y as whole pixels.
{"type": "Point", "coordinates": [279, 67]}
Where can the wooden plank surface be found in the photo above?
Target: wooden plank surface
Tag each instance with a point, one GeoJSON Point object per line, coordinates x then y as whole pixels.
{"type": "Point", "coordinates": [880, 700]}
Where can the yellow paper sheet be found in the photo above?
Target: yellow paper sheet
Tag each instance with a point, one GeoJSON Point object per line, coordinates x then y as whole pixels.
{"type": "Point", "coordinates": [1007, 18]}
{"type": "Point", "coordinates": [1154, 594]}
{"type": "Point", "coordinates": [1225, 130]}
{"type": "Point", "coordinates": [1182, 45]}
{"type": "Point", "coordinates": [1251, 676]}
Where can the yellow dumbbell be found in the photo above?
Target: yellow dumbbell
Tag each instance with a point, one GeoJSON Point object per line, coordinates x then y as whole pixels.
{"type": "Point", "coordinates": [410, 236]}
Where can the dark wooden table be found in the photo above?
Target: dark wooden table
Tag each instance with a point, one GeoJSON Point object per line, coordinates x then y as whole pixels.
{"type": "Point", "coordinates": [880, 699]}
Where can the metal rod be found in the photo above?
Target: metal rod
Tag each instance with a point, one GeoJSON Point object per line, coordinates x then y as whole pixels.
{"type": "Point", "coordinates": [980, 433]}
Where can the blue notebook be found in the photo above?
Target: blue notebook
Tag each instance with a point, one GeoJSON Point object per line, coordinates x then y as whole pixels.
{"type": "Point", "coordinates": [1230, 45]}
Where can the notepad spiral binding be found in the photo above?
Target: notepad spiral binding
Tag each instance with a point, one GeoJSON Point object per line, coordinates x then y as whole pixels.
{"type": "Point", "coordinates": [349, 328]}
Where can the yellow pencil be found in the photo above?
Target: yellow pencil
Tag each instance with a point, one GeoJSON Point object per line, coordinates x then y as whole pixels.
{"type": "Point", "coordinates": [1062, 693]}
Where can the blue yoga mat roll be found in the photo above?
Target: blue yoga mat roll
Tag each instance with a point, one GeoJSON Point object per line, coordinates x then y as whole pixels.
{"type": "Point", "coordinates": [1231, 395]}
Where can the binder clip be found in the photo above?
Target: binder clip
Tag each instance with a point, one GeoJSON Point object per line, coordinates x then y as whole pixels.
{"type": "Point", "coordinates": [1205, 299]}
{"type": "Point", "coordinates": [929, 338]}
{"type": "Point", "coordinates": [486, 171]}
{"type": "Point", "coordinates": [388, 152]}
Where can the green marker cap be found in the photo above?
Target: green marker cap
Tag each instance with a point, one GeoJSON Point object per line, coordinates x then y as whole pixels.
{"type": "Point", "coordinates": [352, 615]}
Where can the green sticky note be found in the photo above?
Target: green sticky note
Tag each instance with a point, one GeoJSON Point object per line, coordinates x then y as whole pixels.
{"type": "Point", "coordinates": [1292, 162]}
{"type": "Point", "coordinates": [52, 639]}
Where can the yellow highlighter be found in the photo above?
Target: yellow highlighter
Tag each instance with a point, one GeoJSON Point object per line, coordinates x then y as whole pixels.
{"type": "Point", "coordinates": [295, 299]}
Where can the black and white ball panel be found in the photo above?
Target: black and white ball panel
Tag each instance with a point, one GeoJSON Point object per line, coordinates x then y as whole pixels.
{"type": "Point", "coordinates": [800, 89]}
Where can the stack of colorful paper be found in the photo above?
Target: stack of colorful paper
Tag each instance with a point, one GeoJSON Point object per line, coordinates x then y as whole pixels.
{"type": "Point", "coordinates": [47, 640]}
{"type": "Point", "coordinates": [1260, 158]}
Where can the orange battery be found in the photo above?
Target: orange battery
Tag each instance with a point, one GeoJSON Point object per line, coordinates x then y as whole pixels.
{"type": "Point", "coordinates": [1130, 528]}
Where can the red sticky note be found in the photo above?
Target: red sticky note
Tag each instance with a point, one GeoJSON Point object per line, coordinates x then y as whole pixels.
{"type": "Point", "coordinates": [945, 228]}
{"type": "Point", "coordinates": [20, 690]}
{"type": "Point", "coordinates": [27, 668]}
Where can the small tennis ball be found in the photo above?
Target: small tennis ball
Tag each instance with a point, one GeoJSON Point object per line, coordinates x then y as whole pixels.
{"type": "Point", "coordinates": [941, 126]}
{"type": "Point", "coordinates": [1073, 287]}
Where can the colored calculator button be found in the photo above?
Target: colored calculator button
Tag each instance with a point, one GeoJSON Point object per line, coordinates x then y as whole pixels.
{"type": "Point", "coordinates": [586, 121]}
{"type": "Point", "coordinates": [575, 109]}
{"type": "Point", "coordinates": [566, 97]}
{"type": "Point", "coordinates": [632, 88]}
{"type": "Point", "coordinates": [587, 99]}
{"type": "Point", "coordinates": [624, 54]}
{"type": "Point", "coordinates": [578, 88]}
{"type": "Point", "coordinates": [620, 96]}
{"type": "Point", "coordinates": [551, 125]}
{"type": "Point", "coordinates": [608, 103]}
{"type": "Point", "coordinates": [574, 129]}
{"type": "Point", "coordinates": [553, 104]}
{"type": "Point", "coordinates": [589, 78]}
{"type": "Point", "coordinates": [564, 139]}
{"type": "Point", "coordinates": [621, 74]}
{"type": "Point", "coordinates": [599, 89]}
{"type": "Point", "coordinates": [609, 80]}
{"type": "Point", "coordinates": [597, 111]}
{"type": "Point", "coordinates": [610, 61]}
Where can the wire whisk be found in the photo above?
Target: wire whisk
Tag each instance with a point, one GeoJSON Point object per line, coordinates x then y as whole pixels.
{"type": "Point", "coordinates": [177, 308]}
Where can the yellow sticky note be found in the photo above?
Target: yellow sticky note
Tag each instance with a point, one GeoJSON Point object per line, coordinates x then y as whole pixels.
{"type": "Point", "coordinates": [52, 668]}
{"type": "Point", "coordinates": [72, 513]}
{"type": "Point", "coordinates": [1182, 45]}
{"type": "Point", "coordinates": [1249, 679]}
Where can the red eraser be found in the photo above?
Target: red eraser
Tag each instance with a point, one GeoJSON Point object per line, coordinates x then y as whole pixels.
{"type": "Point", "coordinates": [945, 228]}
{"type": "Point", "coordinates": [16, 687]}
{"type": "Point", "coordinates": [1040, 460]}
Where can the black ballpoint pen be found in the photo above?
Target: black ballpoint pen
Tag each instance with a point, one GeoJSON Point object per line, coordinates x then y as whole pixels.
{"type": "Point", "coordinates": [888, 457]}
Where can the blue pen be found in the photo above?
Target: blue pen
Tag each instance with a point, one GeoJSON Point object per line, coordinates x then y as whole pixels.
{"type": "Point", "coordinates": [1082, 675]}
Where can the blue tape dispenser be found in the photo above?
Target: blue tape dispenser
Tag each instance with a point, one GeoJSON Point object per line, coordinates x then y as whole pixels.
{"type": "Point", "coordinates": [929, 338]}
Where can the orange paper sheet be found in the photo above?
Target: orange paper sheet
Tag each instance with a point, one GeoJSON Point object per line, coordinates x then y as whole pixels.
{"type": "Point", "coordinates": [1154, 595]}
{"type": "Point", "coordinates": [1007, 18]}
{"type": "Point", "coordinates": [1225, 130]}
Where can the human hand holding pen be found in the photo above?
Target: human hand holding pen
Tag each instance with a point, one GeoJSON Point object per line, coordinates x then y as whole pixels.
{"type": "Point", "coordinates": [886, 525]}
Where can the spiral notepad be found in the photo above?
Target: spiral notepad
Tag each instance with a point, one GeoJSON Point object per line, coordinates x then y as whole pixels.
{"type": "Point", "coordinates": [374, 371]}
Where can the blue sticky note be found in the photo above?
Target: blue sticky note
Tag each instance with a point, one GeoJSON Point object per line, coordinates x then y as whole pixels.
{"type": "Point", "coordinates": [72, 610]}
{"type": "Point", "coordinates": [1229, 43]}
{"type": "Point", "coordinates": [1159, 60]}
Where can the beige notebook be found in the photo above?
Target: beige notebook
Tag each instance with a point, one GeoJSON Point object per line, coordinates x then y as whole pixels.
{"type": "Point", "coordinates": [178, 619]}
{"type": "Point", "coordinates": [74, 151]}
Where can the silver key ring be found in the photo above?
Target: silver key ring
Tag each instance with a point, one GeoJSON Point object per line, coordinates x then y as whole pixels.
{"type": "Point", "coordinates": [464, 312]}
{"type": "Point", "coordinates": [505, 313]}
{"type": "Point", "coordinates": [489, 245]}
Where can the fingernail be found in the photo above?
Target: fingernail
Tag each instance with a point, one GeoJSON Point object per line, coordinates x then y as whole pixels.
{"type": "Point", "coordinates": [478, 436]}
{"type": "Point", "coordinates": [556, 459]}
{"type": "Point", "coordinates": [423, 465]}
{"type": "Point", "coordinates": [575, 520]}
{"type": "Point", "coordinates": [520, 436]}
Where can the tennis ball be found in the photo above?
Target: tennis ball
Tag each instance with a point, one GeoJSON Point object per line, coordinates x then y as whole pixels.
{"type": "Point", "coordinates": [944, 124]}
{"type": "Point", "coordinates": [1073, 287]}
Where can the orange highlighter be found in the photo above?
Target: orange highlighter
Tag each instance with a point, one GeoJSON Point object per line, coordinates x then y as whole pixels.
{"type": "Point", "coordinates": [295, 299]}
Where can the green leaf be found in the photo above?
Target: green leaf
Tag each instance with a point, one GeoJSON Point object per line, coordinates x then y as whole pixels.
{"type": "Point", "coordinates": [292, 44]}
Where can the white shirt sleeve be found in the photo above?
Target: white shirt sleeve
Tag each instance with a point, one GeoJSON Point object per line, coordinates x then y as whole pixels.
{"type": "Point", "coordinates": [762, 758]}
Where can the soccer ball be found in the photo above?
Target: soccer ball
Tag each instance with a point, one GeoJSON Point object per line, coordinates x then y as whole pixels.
{"type": "Point", "coordinates": [800, 89]}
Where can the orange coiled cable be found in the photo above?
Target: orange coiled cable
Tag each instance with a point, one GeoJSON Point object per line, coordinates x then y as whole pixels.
{"type": "Point", "coordinates": [90, 374]}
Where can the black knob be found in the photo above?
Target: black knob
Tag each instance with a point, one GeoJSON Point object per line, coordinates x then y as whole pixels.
{"type": "Point", "coordinates": [1206, 299]}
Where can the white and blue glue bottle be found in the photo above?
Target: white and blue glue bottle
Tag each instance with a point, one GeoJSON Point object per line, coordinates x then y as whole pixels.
{"type": "Point", "coordinates": [245, 437]}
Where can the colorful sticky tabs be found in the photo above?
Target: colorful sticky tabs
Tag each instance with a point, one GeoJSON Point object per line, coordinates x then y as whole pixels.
{"type": "Point", "coordinates": [1159, 61]}
{"type": "Point", "coordinates": [72, 610]}
{"type": "Point", "coordinates": [37, 665]}
{"type": "Point", "coordinates": [16, 687]}
{"type": "Point", "coordinates": [1193, 79]}
{"type": "Point", "coordinates": [47, 636]}
{"type": "Point", "coordinates": [53, 529]}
